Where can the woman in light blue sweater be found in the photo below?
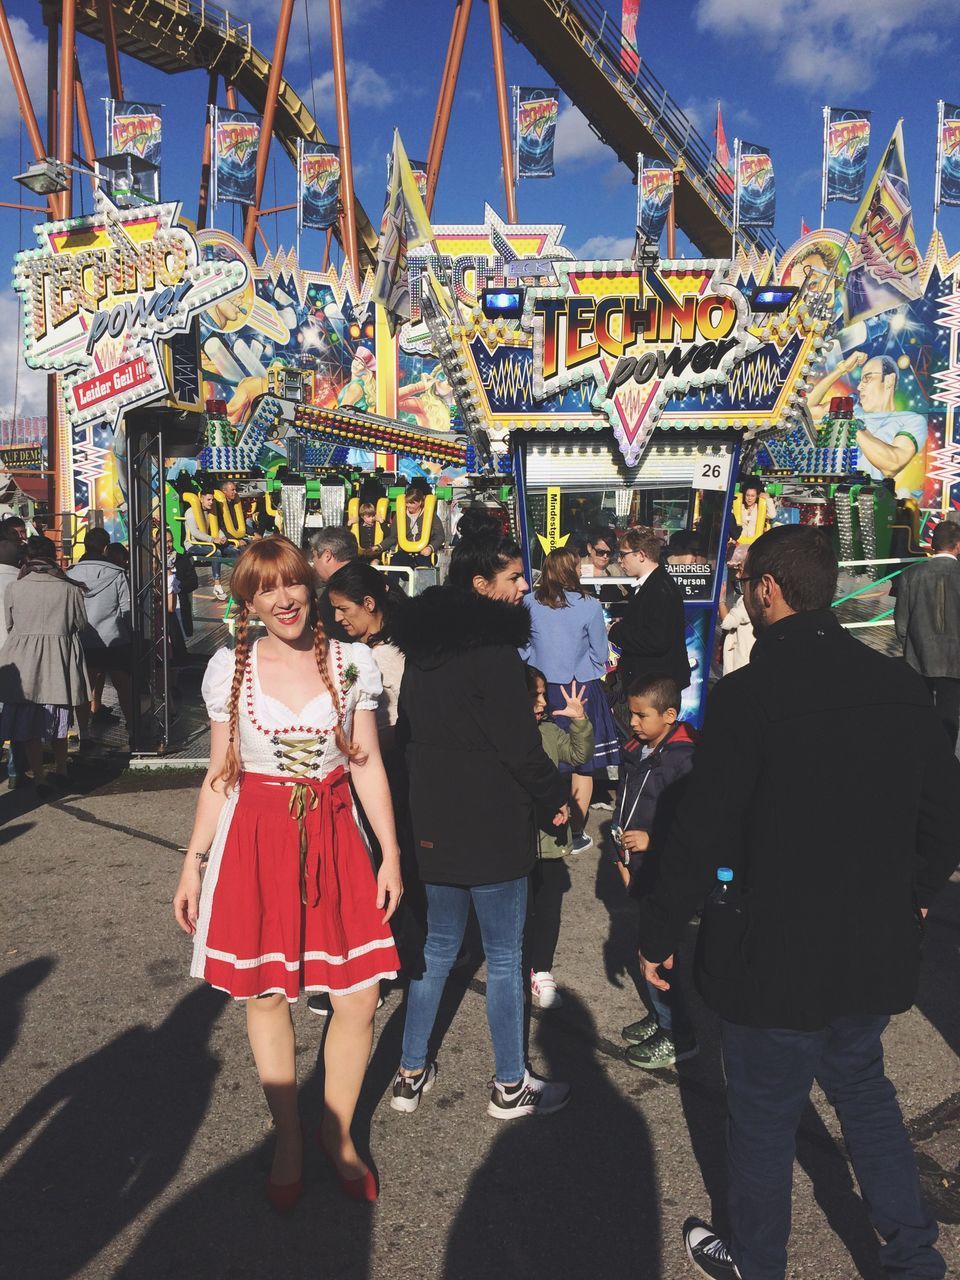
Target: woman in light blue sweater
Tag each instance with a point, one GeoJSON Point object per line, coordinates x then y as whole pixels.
{"type": "Point", "coordinates": [569, 642]}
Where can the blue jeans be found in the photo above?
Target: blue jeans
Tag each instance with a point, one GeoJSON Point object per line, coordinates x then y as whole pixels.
{"type": "Point", "coordinates": [670, 1009]}
{"type": "Point", "coordinates": [501, 910]}
{"type": "Point", "coordinates": [769, 1075]}
{"type": "Point", "coordinates": [214, 556]}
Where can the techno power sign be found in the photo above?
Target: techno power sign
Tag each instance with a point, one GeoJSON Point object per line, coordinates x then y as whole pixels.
{"type": "Point", "coordinates": [100, 292]}
{"type": "Point", "coordinates": [642, 336]}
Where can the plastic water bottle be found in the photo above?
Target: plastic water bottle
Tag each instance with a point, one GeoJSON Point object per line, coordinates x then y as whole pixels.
{"type": "Point", "coordinates": [722, 893]}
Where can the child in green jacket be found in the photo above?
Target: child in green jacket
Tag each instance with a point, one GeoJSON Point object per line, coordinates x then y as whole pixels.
{"type": "Point", "coordinates": [550, 879]}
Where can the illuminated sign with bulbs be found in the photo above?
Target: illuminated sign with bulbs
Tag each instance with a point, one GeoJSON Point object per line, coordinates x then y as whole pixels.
{"type": "Point", "coordinates": [100, 292]}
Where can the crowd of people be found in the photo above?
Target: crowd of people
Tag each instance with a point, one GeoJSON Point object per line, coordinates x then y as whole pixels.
{"type": "Point", "coordinates": [380, 766]}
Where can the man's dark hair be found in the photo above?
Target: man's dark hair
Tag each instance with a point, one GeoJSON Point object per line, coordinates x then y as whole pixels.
{"type": "Point", "coordinates": [41, 548]}
{"type": "Point", "coordinates": [642, 539]}
{"type": "Point", "coordinates": [9, 523]}
{"type": "Point", "coordinates": [96, 542]}
{"type": "Point", "coordinates": [340, 542]}
{"type": "Point", "coordinates": [662, 692]}
{"type": "Point", "coordinates": [10, 551]}
{"type": "Point", "coordinates": [946, 536]}
{"type": "Point", "coordinates": [801, 562]}
{"type": "Point", "coordinates": [482, 556]}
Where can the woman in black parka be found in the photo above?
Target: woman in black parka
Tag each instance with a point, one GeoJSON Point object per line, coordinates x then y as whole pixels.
{"type": "Point", "coordinates": [479, 780]}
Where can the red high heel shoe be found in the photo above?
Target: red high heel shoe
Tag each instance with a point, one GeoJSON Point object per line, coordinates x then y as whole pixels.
{"type": "Point", "coordinates": [282, 1197]}
{"type": "Point", "coordinates": [363, 1189]}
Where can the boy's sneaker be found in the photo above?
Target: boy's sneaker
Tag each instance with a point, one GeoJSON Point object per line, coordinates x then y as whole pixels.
{"type": "Point", "coordinates": [582, 842]}
{"type": "Point", "coordinates": [543, 988]}
{"type": "Point", "coordinates": [708, 1253]}
{"type": "Point", "coordinates": [642, 1031]}
{"type": "Point", "coordinates": [408, 1090]}
{"type": "Point", "coordinates": [660, 1050]}
{"type": "Point", "coordinates": [531, 1097]}
{"type": "Point", "coordinates": [218, 592]}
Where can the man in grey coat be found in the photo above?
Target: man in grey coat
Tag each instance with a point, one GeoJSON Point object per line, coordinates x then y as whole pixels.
{"type": "Point", "coordinates": [928, 622]}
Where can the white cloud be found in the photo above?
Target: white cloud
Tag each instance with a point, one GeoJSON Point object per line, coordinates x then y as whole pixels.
{"type": "Point", "coordinates": [33, 58]}
{"type": "Point", "coordinates": [366, 87]}
{"type": "Point", "coordinates": [600, 248]}
{"type": "Point", "coordinates": [262, 16]}
{"type": "Point", "coordinates": [575, 140]}
{"type": "Point", "coordinates": [18, 382]}
{"type": "Point", "coordinates": [832, 44]}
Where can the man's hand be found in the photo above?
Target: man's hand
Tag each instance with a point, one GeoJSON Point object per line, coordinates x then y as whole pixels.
{"type": "Point", "coordinates": [635, 841]}
{"type": "Point", "coordinates": [650, 971]}
{"type": "Point", "coordinates": [562, 816]}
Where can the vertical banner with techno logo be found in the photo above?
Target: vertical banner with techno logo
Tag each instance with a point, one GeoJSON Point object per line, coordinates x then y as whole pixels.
{"type": "Point", "coordinates": [948, 144]}
{"type": "Point", "coordinates": [756, 190]}
{"type": "Point", "coordinates": [135, 128]}
{"type": "Point", "coordinates": [236, 137]}
{"type": "Point", "coordinates": [846, 141]}
{"type": "Point", "coordinates": [654, 195]}
{"type": "Point", "coordinates": [536, 127]}
{"type": "Point", "coordinates": [319, 174]}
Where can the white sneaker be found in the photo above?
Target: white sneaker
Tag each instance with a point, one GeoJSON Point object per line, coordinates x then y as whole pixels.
{"type": "Point", "coordinates": [218, 592]}
{"type": "Point", "coordinates": [605, 805]}
{"type": "Point", "coordinates": [408, 1090]}
{"type": "Point", "coordinates": [543, 987]}
{"type": "Point", "coordinates": [531, 1097]}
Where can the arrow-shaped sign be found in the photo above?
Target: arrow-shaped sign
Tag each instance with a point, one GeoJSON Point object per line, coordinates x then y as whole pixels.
{"type": "Point", "coordinates": [553, 539]}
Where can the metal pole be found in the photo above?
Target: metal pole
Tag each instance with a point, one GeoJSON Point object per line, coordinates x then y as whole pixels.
{"type": "Point", "coordinates": [269, 116]}
{"type": "Point", "coordinates": [53, 397]}
{"type": "Point", "coordinates": [20, 85]}
{"type": "Point", "coordinates": [823, 175]}
{"type": "Point", "coordinates": [343, 129]}
{"type": "Point", "coordinates": [448, 87]}
{"type": "Point", "coordinates": [326, 249]}
{"type": "Point", "coordinates": [936, 181]}
{"type": "Point", "coordinates": [503, 111]}
{"type": "Point", "coordinates": [232, 97]}
{"type": "Point", "coordinates": [205, 161]}
{"type": "Point", "coordinates": [672, 219]}
{"type": "Point", "coordinates": [105, 14]}
{"type": "Point", "coordinates": [86, 133]}
{"type": "Point", "coordinates": [68, 46]}
{"type": "Point", "coordinates": [736, 195]}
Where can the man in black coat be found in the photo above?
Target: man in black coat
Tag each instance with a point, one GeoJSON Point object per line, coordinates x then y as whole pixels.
{"type": "Point", "coordinates": [825, 782]}
{"type": "Point", "coordinates": [928, 622]}
{"type": "Point", "coordinates": [651, 633]}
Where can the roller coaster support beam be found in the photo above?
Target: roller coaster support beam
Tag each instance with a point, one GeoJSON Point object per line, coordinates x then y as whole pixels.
{"type": "Point", "coordinates": [269, 116]}
{"type": "Point", "coordinates": [672, 224]}
{"type": "Point", "coordinates": [83, 115]}
{"type": "Point", "coordinates": [20, 85]}
{"type": "Point", "coordinates": [105, 14]}
{"type": "Point", "coordinates": [232, 97]}
{"type": "Point", "coordinates": [349, 238]}
{"type": "Point", "coordinates": [68, 48]}
{"type": "Point", "coordinates": [503, 110]}
{"type": "Point", "coordinates": [53, 54]}
{"type": "Point", "coordinates": [448, 87]}
{"type": "Point", "coordinates": [205, 160]}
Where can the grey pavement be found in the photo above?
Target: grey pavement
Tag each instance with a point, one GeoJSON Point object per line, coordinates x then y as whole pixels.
{"type": "Point", "coordinates": [134, 1141]}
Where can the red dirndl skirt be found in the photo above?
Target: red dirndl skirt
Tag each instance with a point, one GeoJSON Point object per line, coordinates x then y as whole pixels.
{"type": "Point", "coordinates": [294, 903]}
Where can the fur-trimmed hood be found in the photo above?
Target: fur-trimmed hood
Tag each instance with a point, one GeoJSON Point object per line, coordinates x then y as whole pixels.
{"type": "Point", "coordinates": [444, 622]}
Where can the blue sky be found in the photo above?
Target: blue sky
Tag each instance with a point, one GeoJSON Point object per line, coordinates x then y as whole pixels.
{"type": "Point", "coordinates": [772, 63]}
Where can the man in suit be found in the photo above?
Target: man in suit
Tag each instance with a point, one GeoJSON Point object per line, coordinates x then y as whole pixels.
{"type": "Point", "coordinates": [928, 623]}
{"type": "Point", "coordinates": [816, 941]}
{"type": "Point", "coordinates": [651, 633]}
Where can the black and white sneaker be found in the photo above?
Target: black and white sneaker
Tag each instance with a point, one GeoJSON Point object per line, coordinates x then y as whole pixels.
{"type": "Point", "coordinates": [408, 1090]}
{"type": "Point", "coordinates": [707, 1251]}
{"type": "Point", "coordinates": [531, 1097]}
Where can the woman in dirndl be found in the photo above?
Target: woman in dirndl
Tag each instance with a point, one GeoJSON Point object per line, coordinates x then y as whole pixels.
{"type": "Point", "coordinates": [568, 641]}
{"type": "Point", "coordinates": [289, 899]}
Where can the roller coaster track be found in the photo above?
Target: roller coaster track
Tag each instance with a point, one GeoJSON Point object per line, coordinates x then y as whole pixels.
{"type": "Point", "coordinates": [183, 35]}
{"type": "Point", "coordinates": [581, 46]}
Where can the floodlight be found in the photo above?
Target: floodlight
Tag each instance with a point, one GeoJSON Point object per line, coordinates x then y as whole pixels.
{"type": "Point", "coordinates": [44, 177]}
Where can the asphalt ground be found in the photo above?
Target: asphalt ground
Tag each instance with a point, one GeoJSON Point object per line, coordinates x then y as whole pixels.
{"type": "Point", "coordinates": [134, 1141]}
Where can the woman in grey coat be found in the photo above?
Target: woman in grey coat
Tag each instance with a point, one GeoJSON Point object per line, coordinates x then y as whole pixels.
{"type": "Point", "coordinates": [42, 672]}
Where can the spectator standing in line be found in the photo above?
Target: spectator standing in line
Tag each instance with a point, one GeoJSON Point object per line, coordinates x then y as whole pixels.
{"type": "Point", "coordinates": [568, 641]}
{"type": "Point", "coordinates": [928, 623]}
{"type": "Point", "coordinates": [201, 545]}
{"type": "Point", "coordinates": [651, 633]}
{"type": "Point", "coordinates": [14, 528]}
{"type": "Point", "coordinates": [106, 638]}
{"type": "Point", "coordinates": [9, 572]}
{"type": "Point", "coordinates": [42, 673]}
{"type": "Point", "coordinates": [815, 942]}
{"type": "Point", "coordinates": [330, 549]}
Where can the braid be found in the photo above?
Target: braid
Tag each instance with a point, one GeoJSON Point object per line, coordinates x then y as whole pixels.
{"type": "Point", "coordinates": [241, 652]}
{"type": "Point", "coordinates": [321, 648]}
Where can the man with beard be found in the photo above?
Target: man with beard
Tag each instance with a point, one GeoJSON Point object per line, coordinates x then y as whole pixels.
{"type": "Point", "coordinates": [809, 941]}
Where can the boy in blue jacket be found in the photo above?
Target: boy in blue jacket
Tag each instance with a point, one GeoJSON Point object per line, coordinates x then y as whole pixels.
{"type": "Point", "coordinates": [653, 771]}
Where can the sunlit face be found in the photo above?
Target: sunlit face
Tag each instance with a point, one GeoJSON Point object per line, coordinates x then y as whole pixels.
{"type": "Point", "coordinates": [283, 610]}
{"type": "Point", "coordinates": [634, 563]}
{"type": "Point", "coordinates": [229, 490]}
{"type": "Point", "coordinates": [600, 554]}
{"type": "Point", "coordinates": [358, 620]}
{"type": "Point", "coordinates": [369, 517]}
{"type": "Point", "coordinates": [206, 501]}
{"type": "Point", "coordinates": [414, 505]}
{"type": "Point", "coordinates": [539, 700]}
{"type": "Point", "coordinates": [749, 497]}
{"type": "Point", "coordinates": [508, 584]}
{"type": "Point", "coordinates": [649, 724]}
{"type": "Point", "coordinates": [875, 390]}
{"type": "Point", "coordinates": [326, 564]}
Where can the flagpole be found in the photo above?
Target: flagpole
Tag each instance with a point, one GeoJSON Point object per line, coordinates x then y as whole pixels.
{"type": "Point", "coordinates": [215, 153]}
{"type": "Point", "coordinates": [299, 193]}
{"type": "Point", "coordinates": [639, 192]}
{"type": "Point", "coordinates": [936, 183]}
{"type": "Point", "coordinates": [736, 195]}
{"type": "Point", "coordinates": [516, 138]}
{"type": "Point", "coordinates": [823, 175]}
